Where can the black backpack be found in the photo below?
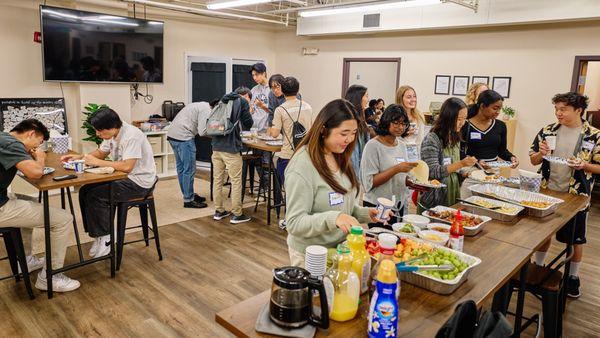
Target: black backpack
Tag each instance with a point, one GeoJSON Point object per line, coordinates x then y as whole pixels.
{"type": "Point", "coordinates": [466, 323]}
{"type": "Point", "coordinates": [298, 130]}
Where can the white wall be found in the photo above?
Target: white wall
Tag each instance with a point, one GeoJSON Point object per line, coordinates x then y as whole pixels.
{"type": "Point", "coordinates": [538, 58]}
{"type": "Point", "coordinates": [21, 60]}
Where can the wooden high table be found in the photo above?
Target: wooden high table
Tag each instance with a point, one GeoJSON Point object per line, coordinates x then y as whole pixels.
{"type": "Point", "coordinates": [423, 312]}
{"type": "Point", "coordinates": [45, 184]}
{"type": "Point", "coordinates": [261, 145]}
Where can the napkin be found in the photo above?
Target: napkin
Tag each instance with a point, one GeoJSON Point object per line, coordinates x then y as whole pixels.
{"type": "Point", "coordinates": [100, 170]}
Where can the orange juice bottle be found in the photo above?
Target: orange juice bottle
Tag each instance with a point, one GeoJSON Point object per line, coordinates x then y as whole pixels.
{"type": "Point", "coordinates": [346, 287]}
{"type": "Point", "coordinates": [361, 261]}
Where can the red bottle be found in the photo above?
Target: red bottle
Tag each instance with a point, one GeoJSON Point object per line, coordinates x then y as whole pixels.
{"type": "Point", "coordinates": [457, 233]}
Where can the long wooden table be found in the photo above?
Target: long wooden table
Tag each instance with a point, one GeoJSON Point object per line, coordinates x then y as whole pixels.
{"type": "Point", "coordinates": [273, 184]}
{"type": "Point", "coordinates": [424, 312]}
{"type": "Point", "coordinates": [45, 184]}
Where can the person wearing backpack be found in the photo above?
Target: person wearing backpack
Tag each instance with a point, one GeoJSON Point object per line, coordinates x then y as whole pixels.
{"type": "Point", "coordinates": [228, 118]}
{"type": "Point", "coordinates": [293, 119]}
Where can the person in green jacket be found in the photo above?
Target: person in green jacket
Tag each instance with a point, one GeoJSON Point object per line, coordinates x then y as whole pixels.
{"type": "Point", "coordinates": [321, 185]}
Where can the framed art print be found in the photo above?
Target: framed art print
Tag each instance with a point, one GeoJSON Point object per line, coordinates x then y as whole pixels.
{"type": "Point", "coordinates": [442, 84]}
{"type": "Point", "coordinates": [460, 84]}
{"type": "Point", "coordinates": [501, 84]}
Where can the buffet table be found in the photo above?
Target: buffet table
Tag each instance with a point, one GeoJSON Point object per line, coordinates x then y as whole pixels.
{"type": "Point", "coordinates": [504, 248]}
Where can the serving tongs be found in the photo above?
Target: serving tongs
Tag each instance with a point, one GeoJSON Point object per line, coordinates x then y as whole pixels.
{"type": "Point", "coordinates": [415, 268]}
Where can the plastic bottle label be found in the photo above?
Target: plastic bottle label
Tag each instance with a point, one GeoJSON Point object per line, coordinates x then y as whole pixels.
{"type": "Point", "coordinates": [456, 242]}
{"type": "Point", "coordinates": [364, 276]}
{"type": "Point", "coordinates": [383, 313]}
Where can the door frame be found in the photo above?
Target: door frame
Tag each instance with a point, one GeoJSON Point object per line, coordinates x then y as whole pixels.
{"type": "Point", "coordinates": [346, 70]}
{"type": "Point", "coordinates": [579, 61]}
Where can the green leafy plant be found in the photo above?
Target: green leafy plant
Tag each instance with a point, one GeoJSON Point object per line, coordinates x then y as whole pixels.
{"type": "Point", "coordinates": [509, 111]}
{"type": "Point", "coordinates": [90, 110]}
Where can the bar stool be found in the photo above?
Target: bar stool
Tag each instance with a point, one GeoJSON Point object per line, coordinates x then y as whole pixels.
{"type": "Point", "coordinates": [145, 205]}
{"type": "Point", "coordinates": [16, 257]}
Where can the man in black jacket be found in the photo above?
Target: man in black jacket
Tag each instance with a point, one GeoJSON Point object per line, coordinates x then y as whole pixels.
{"type": "Point", "coordinates": [227, 156]}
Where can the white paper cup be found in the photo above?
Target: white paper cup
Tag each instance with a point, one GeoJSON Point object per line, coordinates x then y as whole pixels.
{"type": "Point", "coordinates": [384, 205]}
{"type": "Point", "coordinates": [551, 141]}
{"type": "Point", "coordinates": [79, 166]}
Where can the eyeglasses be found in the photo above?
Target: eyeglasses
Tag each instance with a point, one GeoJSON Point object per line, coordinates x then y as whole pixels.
{"type": "Point", "coordinates": [402, 123]}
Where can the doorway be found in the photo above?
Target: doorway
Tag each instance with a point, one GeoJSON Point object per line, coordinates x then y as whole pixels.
{"type": "Point", "coordinates": [380, 75]}
{"type": "Point", "coordinates": [586, 81]}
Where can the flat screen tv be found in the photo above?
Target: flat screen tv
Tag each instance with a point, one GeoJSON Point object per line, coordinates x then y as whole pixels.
{"type": "Point", "coordinates": [80, 46]}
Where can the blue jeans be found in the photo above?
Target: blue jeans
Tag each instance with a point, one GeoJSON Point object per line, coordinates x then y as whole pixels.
{"type": "Point", "coordinates": [185, 159]}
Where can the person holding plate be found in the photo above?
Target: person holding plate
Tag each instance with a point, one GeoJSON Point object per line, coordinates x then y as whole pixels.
{"type": "Point", "coordinates": [578, 142]}
{"type": "Point", "coordinates": [320, 183]}
{"type": "Point", "coordinates": [484, 136]}
{"type": "Point", "coordinates": [441, 151]}
{"type": "Point", "coordinates": [384, 165]}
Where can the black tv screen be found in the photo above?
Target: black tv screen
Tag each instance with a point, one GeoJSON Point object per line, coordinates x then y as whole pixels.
{"type": "Point", "coordinates": [82, 46]}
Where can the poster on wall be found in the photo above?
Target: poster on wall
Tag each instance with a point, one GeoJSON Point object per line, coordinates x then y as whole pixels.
{"type": "Point", "coordinates": [50, 111]}
{"type": "Point", "coordinates": [501, 84]}
{"type": "Point", "coordinates": [442, 84]}
{"type": "Point", "coordinates": [481, 79]}
{"type": "Point", "coordinates": [460, 85]}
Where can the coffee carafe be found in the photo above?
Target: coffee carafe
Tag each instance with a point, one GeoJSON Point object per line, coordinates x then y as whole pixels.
{"type": "Point", "coordinates": [291, 299]}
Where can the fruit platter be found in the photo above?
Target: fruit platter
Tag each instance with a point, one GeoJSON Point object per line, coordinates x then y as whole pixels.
{"type": "Point", "coordinates": [416, 252]}
{"type": "Point", "coordinates": [472, 223]}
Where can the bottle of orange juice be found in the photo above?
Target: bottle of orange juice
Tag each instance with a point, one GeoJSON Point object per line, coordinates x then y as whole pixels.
{"type": "Point", "coordinates": [346, 286]}
{"type": "Point", "coordinates": [361, 261]}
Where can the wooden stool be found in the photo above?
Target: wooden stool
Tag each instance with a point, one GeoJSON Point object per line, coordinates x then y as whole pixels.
{"type": "Point", "coordinates": [145, 205]}
{"type": "Point", "coordinates": [16, 257]}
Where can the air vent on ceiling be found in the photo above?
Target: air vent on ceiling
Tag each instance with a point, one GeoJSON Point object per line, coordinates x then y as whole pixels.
{"type": "Point", "coordinates": [371, 20]}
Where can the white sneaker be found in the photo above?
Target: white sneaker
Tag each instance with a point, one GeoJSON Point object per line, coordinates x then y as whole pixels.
{"type": "Point", "coordinates": [60, 282]}
{"type": "Point", "coordinates": [103, 246]}
{"type": "Point", "coordinates": [34, 263]}
{"type": "Point", "coordinates": [94, 247]}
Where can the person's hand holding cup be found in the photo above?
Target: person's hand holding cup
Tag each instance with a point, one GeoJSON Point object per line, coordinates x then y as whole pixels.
{"type": "Point", "coordinates": [550, 143]}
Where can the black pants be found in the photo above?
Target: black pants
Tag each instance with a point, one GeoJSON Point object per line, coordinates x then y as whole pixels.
{"type": "Point", "coordinates": [94, 203]}
{"type": "Point", "coordinates": [393, 219]}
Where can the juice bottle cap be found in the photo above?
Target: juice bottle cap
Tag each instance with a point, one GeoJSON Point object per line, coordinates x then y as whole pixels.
{"type": "Point", "coordinates": [387, 241]}
{"type": "Point", "coordinates": [343, 249]}
{"type": "Point", "coordinates": [387, 272]}
{"type": "Point", "coordinates": [356, 230]}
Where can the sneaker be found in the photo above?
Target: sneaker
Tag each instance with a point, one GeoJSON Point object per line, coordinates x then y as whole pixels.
{"type": "Point", "coordinates": [194, 204]}
{"type": "Point", "coordinates": [573, 287]}
{"type": "Point", "coordinates": [103, 246]}
{"type": "Point", "coordinates": [219, 215]}
{"type": "Point", "coordinates": [282, 224]}
{"type": "Point", "coordinates": [34, 263]}
{"type": "Point", "coordinates": [199, 198]}
{"type": "Point", "coordinates": [94, 247]}
{"type": "Point", "coordinates": [239, 219]}
{"type": "Point", "coordinates": [60, 282]}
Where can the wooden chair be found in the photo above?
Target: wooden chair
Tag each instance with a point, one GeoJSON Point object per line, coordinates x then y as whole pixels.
{"type": "Point", "coordinates": [144, 204]}
{"type": "Point", "coordinates": [16, 257]}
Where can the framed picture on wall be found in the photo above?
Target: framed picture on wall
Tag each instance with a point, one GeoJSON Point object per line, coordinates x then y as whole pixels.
{"type": "Point", "coordinates": [501, 84]}
{"type": "Point", "coordinates": [460, 85]}
{"type": "Point", "coordinates": [481, 79]}
{"type": "Point", "coordinates": [442, 84]}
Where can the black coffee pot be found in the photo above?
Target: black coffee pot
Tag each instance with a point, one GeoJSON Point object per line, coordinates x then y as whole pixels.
{"type": "Point", "coordinates": [291, 303]}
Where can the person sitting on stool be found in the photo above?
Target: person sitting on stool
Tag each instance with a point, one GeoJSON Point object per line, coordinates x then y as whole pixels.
{"type": "Point", "coordinates": [184, 128]}
{"type": "Point", "coordinates": [131, 153]}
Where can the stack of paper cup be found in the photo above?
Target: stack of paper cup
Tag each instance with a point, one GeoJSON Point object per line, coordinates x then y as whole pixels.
{"type": "Point", "coordinates": [316, 260]}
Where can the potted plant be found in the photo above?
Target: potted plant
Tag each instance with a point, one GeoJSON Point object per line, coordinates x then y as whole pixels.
{"type": "Point", "coordinates": [90, 110]}
{"type": "Point", "coordinates": [509, 112]}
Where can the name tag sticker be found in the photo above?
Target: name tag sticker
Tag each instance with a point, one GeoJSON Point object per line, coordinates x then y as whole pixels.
{"type": "Point", "coordinates": [400, 160]}
{"type": "Point", "coordinates": [475, 136]}
{"type": "Point", "coordinates": [587, 145]}
{"type": "Point", "coordinates": [447, 161]}
{"type": "Point", "coordinates": [335, 198]}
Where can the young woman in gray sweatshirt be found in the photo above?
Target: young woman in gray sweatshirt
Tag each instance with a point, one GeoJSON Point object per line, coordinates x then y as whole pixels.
{"type": "Point", "coordinates": [321, 186]}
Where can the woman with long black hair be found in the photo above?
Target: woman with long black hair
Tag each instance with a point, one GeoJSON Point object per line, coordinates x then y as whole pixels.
{"type": "Point", "coordinates": [441, 151]}
{"type": "Point", "coordinates": [359, 97]}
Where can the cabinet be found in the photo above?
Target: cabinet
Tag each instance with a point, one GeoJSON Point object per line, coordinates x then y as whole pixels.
{"type": "Point", "coordinates": [163, 154]}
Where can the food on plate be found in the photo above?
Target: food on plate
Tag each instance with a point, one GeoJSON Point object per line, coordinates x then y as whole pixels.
{"type": "Point", "coordinates": [487, 204]}
{"type": "Point", "coordinates": [408, 228]}
{"type": "Point", "coordinates": [468, 221]}
{"type": "Point", "coordinates": [421, 172]}
{"type": "Point", "coordinates": [574, 161]}
{"type": "Point", "coordinates": [435, 182]}
{"type": "Point", "coordinates": [440, 229]}
{"type": "Point", "coordinates": [405, 250]}
{"type": "Point", "coordinates": [536, 204]}
{"type": "Point", "coordinates": [480, 175]}
{"type": "Point", "coordinates": [432, 237]}
{"type": "Point", "coordinates": [441, 257]}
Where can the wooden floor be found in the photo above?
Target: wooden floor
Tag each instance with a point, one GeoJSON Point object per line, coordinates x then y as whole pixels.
{"type": "Point", "coordinates": [207, 266]}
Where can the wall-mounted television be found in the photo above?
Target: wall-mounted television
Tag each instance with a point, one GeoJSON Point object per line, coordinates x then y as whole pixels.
{"type": "Point", "coordinates": [80, 46]}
